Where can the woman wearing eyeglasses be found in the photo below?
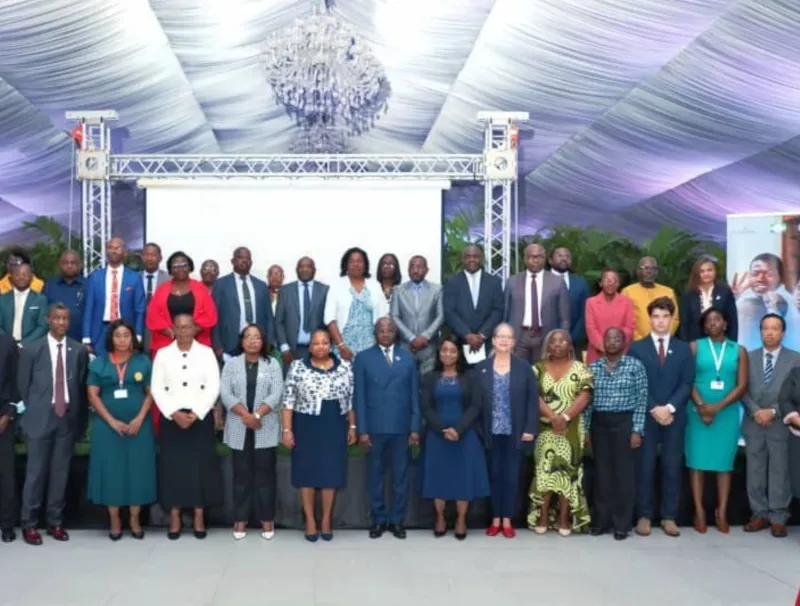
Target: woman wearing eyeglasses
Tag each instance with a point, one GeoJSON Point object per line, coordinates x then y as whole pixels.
{"type": "Point", "coordinates": [179, 296]}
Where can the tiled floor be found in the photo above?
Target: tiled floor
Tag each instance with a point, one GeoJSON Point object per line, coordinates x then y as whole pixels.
{"type": "Point", "coordinates": [712, 570]}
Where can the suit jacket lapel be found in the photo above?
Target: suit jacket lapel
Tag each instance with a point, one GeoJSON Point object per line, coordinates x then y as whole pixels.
{"type": "Point", "coordinates": [759, 360]}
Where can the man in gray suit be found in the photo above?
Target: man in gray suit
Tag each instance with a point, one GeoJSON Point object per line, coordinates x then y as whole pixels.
{"type": "Point", "coordinates": [152, 278]}
{"type": "Point", "coordinates": [51, 381]}
{"type": "Point", "coordinates": [299, 312]}
{"type": "Point", "coordinates": [536, 302]}
{"type": "Point", "coordinates": [766, 437]}
{"type": "Point", "coordinates": [416, 308]}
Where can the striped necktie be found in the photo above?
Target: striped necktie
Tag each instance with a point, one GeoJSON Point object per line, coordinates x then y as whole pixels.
{"type": "Point", "coordinates": [768, 368]}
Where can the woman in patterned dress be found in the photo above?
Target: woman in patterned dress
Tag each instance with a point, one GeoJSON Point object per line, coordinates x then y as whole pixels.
{"type": "Point", "coordinates": [565, 386]}
{"type": "Point", "coordinates": [318, 425]}
{"type": "Point", "coordinates": [352, 307]}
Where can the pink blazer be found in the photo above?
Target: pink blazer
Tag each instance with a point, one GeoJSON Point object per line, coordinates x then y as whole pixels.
{"type": "Point", "coordinates": [602, 315]}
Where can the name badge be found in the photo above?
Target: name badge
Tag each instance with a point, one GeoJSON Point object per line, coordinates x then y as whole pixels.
{"type": "Point", "coordinates": [122, 394]}
{"type": "Point", "coordinates": [717, 385]}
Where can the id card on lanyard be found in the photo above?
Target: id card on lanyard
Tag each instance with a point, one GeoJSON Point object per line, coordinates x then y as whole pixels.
{"type": "Point", "coordinates": [717, 384]}
{"type": "Point", "coordinates": [120, 393]}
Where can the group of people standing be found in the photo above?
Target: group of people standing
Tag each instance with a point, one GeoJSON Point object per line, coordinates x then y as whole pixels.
{"type": "Point", "coordinates": [475, 373]}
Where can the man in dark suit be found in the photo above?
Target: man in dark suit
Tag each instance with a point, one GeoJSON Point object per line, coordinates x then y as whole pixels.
{"type": "Point", "coordinates": [51, 382]}
{"type": "Point", "coordinates": [386, 398]}
{"type": "Point", "coordinates": [578, 289]}
{"type": "Point", "coordinates": [23, 312]}
{"type": "Point", "coordinates": [241, 299]}
{"type": "Point", "coordinates": [112, 292]}
{"type": "Point", "coordinates": [152, 277]}
{"type": "Point", "coordinates": [300, 311]}
{"type": "Point", "coordinates": [766, 435]}
{"type": "Point", "coordinates": [416, 308]}
{"type": "Point", "coordinates": [473, 302]}
{"type": "Point", "coordinates": [669, 365]}
{"type": "Point", "coordinates": [9, 360]}
{"type": "Point", "coordinates": [536, 302]}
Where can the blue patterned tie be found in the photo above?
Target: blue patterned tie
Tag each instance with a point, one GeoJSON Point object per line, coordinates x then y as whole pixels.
{"type": "Point", "coordinates": [306, 308]}
{"type": "Point", "coordinates": [768, 368]}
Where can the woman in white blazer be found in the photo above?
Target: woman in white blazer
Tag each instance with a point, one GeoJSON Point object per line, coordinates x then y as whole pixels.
{"type": "Point", "coordinates": [252, 384]}
{"type": "Point", "coordinates": [353, 306]}
{"type": "Point", "coordinates": [185, 387]}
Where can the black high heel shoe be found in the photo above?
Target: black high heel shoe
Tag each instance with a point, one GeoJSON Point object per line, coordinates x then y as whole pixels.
{"type": "Point", "coordinates": [200, 534]}
{"type": "Point", "coordinates": [114, 537]}
{"type": "Point", "coordinates": [138, 535]}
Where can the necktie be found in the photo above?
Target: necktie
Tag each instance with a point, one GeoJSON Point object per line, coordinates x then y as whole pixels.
{"type": "Point", "coordinates": [662, 355]}
{"type": "Point", "coordinates": [306, 308]}
{"type": "Point", "coordinates": [60, 395]}
{"type": "Point", "coordinates": [114, 312]}
{"type": "Point", "coordinates": [248, 301]}
{"type": "Point", "coordinates": [768, 368]}
{"type": "Point", "coordinates": [534, 304]}
{"type": "Point", "coordinates": [476, 288]}
{"type": "Point", "coordinates": [149, 287]}
{"type": "Point", "coordinates": [387, 353]}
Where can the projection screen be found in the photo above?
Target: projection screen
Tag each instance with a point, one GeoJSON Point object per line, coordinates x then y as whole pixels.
{"type": "Point", "coordinates": [283, 220]}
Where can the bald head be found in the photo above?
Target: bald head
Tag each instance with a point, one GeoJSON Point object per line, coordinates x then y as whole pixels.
{"type": "Point", "coordinates": [115, 252]}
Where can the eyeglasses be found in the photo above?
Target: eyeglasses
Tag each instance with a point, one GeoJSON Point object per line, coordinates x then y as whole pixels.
{"type": "Point", "coordinates": [253, 338]}
{"type": "Point", "coordinates": [180, 266]}
{"type": "Point", "coordinates": [503, 337]}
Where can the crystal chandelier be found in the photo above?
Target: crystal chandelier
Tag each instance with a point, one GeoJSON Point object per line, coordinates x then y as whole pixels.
{"type": "Point", "coordinates": [320, 139]}
{"type": "Point", "coordinates": [326, 76]}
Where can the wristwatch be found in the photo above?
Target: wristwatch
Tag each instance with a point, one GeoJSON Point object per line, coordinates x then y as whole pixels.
{"type": "Point", "coordinates": [286, 430]}
{"type": "Point", "coordinates": [257, 416]}
{"type": "Point", "coordinates": [353, 427]}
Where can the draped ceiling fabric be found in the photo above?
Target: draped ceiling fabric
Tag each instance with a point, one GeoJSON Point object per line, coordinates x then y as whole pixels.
{"type": "Point", "coordinates": [645, 112]}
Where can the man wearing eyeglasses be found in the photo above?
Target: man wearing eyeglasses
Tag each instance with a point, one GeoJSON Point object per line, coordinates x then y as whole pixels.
{"type": "Point", "coordinates": [18, 256]}
{"type": "Point", "coordinates": [644, 292]}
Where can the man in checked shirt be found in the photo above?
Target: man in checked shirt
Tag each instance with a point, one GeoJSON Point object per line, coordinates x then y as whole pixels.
{"type": "Point", "coordinates": [615, 417]}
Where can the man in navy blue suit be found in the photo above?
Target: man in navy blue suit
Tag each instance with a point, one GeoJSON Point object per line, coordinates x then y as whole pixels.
{"type": "Point", "coordinates": [387, 418]}
{"type": "Point", "coordinates": [111, 293]}
{"type": "Point", "coordinates": [578, 288]}
{"type": "Point", "coordinates": [241, 299]}
{"type": "Point", "coordinates": [670, 375]}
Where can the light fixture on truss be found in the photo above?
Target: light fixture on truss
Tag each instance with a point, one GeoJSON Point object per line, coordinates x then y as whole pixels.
{"type": "Point", "coordinates": [327, 76]}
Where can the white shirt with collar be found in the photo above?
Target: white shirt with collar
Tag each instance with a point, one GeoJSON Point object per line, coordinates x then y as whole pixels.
{"type": "Point", "coordinates": [527, 318]}
{"type": "Point", "coordinates": [109, 282]}
{"type": "Point", "coordinates": [20, 298]}
{"type": "Point", "coordinates": [388, 352]}
{"type": "Point", "coordinates": [154, 276]}
{"type": "Point", "coordinates": [240, 296]}
{"type": "Point", "coordinates": [185, 379]}
{"type": "Point", "coordinates": [52, 345]}
{"type": "Point", "coordinates": [774, 353]}
{"type": "Point", "coordinates": [474, 282]}
{"type": "Point", "coordinates": [564, 276]}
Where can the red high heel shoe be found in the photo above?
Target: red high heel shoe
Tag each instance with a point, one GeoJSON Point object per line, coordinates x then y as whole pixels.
{"type": "Point", "coordinates": [509, 532]}
{"type": "Point", "coordinates": [493, 531]}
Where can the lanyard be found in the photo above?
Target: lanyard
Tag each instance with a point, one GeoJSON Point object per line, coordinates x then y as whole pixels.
{"type": "Point", "coordinates": [121, 368]}
{"type": "Point", "coordinates": [717, 359]}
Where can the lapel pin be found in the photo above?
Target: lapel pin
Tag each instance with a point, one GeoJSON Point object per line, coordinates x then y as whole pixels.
{"type": "Point", "coordinates": [669, 352]}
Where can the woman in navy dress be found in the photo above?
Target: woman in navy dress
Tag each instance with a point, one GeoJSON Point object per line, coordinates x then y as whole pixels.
{"type": "Point", "coordinates": [453, 459]}
{"type": "Point", "coordinates": [318, 425]}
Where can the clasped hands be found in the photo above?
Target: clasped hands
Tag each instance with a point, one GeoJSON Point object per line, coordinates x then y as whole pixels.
{"type": "Point", "coordinates": [707, 412]}
{"type": "Point", "coordinates": [128, 429]}
{"type": "Point", "coordinates": [764, 417]}
{"type": "Point", "coordinates": [418, 343]}
{"type": "Point", "coordinates": [366, 443]}
{"type": "Point", "coordinates": [475, 341]}
{"type": "Point", "coordinates": [662, 415]}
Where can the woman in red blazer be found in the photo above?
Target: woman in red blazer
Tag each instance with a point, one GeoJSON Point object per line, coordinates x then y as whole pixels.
{"type": "Point", "coordinates": [179, 296]}
{"type": "Point", "coordinates": [607, 309]}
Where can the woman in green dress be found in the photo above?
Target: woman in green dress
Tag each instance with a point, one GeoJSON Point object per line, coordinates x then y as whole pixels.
{"type": "Point", "coordinates": [122, 462]}
{"type": "Point", "coordinates": [712, 429]}
{"type": "Point", "coordinates": [565, 385]}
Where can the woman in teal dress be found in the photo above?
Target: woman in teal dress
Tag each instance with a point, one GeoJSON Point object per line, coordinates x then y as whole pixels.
{"type": "Point", "coordinates": [122, 462]}
{"type": "Point", "coordinates": [712, 432]}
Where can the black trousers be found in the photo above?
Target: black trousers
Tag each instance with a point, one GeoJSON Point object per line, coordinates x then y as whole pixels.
{"type": "Point", "coordinates": [254, 481]}
{"type": "Point", "coordinates": [8, 488]}
{"type": "Point", "coordinates": [614, 470]}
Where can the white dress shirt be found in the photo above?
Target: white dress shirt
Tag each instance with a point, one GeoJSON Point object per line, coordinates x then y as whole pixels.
{"type": "Point", "coordinates": [706, 298]}
{"type": "Point", "coordinates": [240, 297]}
{"type": "Point", "coordinates": [527, 318]}
{"type": "Point", "coordinates": [109, 281]}
{"type": "Point", "coordinates": [474, 281]}
{"type": "Point", "coordinates": [564, 276]}
{"type": "Point", "coordinates": [388, 352]}
{"type": "Point", "coordinates": [20, 298]}
{"type": "Point", "coordinates": [185, 379]}
{"type": "Point", "coordinates": [52, 344]}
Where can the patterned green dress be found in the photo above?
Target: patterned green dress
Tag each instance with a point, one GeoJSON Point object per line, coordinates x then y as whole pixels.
{"type": "Point", "coordinates": [558, 459]}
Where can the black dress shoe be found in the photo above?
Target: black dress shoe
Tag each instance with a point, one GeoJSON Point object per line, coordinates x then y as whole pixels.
{"type": "Point", "coordinates": [376, 532]}
{"type": "Point", "coordinates": [460, 536]}
{"type": "Point", "coordinates": [9, 536]}
{"type": "Point", "coordinates": [114, 537]}
{"type": "Point", "coordinates": [174, 536]}
{"type": "Point", "coordinates": [439, 533]}
{"type": "Point", "coordinates": [138, 535]}
{"type": "Point", "coordinates": [200, 534]}
{"type": "Point", "coordinates": [397, 531]}
{"type": "Point", "coordinates": [620, 535]}
{"type": "Point", "coordinates": [596, 531]}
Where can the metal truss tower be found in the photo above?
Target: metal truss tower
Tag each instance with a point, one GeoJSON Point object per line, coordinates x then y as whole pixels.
{"type": "Point", "coordinates": [496, 167]}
